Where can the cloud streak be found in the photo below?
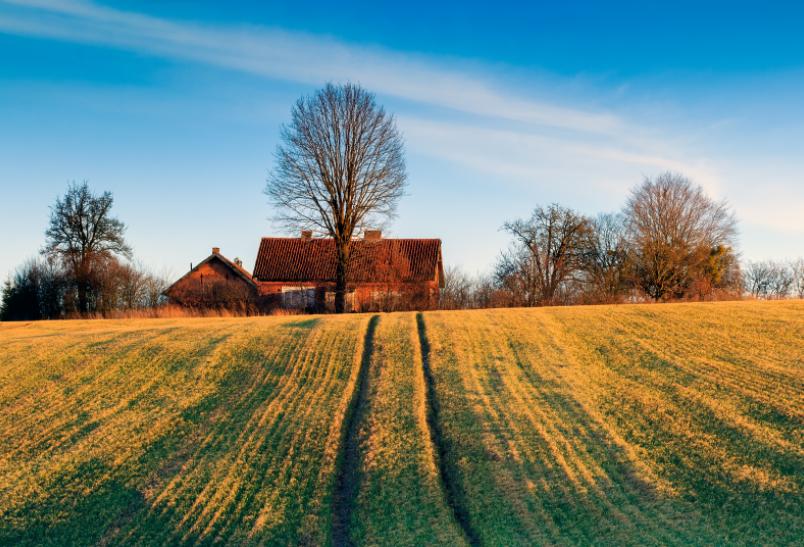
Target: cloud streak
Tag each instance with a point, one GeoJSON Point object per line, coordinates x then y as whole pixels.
{"type": "Point", "coordinates": [551, 163]}
{"type": "Point", "coordinates": [291, 56]}
{"type": "Point", "coordinates": [475, 120]}
{"type": "Point", "coordinates": [312, 60]}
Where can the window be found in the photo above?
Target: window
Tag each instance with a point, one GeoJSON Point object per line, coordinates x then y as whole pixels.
{"type": "Point", "coordinates": [297, 297]}
{"type": "Point", "coordinates": [349, 299]}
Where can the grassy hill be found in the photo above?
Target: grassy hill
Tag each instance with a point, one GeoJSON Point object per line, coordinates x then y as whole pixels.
{"type": "Point", "coordinates": [672, 424]}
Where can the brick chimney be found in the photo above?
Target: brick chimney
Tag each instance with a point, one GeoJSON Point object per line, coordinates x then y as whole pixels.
{"type": "Point", "coordinates": [216, 250]}
{"type": "Point", "coordinates": [306, 234]}
{"type": "Point", "coordinates": [372, 235]}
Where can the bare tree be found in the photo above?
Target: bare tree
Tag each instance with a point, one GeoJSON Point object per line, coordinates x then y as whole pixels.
{"type": "Point", "coordinates": [340, 166]}
{"type": "Point", "coordinates": [797, 268]}
{"type": "Point", "coordinates": [82, 235]}
{"type": "Point", "coordinates": [672, 227]}
{"type": "Point", "coordinates": [605, 258]}
{"type": "Point", "coordinates": [769, 279]}
{"type": "Point", "coordinates": [457, 293]}
{"type": "Point", "coordinates": [548, 250]}
{"type": "Point", "coordinates": [127, 287]}
{"type": "Point", "coordinates": [781, 281]}
{"type": "Point", "coordinates": [515, 281]}
{"type": "Point", "coordinates": [758, 277]}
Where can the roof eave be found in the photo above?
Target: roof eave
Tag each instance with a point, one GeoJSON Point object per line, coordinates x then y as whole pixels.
{"type": "Point", "coordinates": [231, 265]}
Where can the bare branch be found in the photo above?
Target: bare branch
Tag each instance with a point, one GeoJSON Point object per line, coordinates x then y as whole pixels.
{"type": "Point", "coordinates": [340, 166]}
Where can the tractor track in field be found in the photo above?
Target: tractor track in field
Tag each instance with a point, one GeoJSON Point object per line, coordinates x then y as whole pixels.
{"type": "Point", "coordinates": [347, 478]}
{"type": "Point", "coordinates": [453, 491]}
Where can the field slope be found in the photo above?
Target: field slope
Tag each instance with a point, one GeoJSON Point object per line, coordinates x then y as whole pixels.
{"type": "Point", "coordinates": [673, 424]}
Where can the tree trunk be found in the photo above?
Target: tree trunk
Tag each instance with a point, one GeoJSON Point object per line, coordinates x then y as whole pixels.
{"type": "Point", "coordinates": [340, 278]}
{"type": "Point", "coordinates": [83, 296]}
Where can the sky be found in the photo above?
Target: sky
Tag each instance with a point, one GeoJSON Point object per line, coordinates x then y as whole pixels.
{"type": "Point", "coordinates": [175, 106]}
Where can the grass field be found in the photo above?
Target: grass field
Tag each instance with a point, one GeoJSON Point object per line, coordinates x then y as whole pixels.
{"type": "Point", "coordinates": [670, 424]}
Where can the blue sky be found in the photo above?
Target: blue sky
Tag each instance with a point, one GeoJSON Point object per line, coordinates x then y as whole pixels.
{"type": "Point", "coordinates": [175, 107]}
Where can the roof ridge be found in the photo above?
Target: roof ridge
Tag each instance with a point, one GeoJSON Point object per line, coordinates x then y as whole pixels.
{"type": "Point", "coordinates": [288, 238]}
{"type": "Point", "coordinates": [389, 259]}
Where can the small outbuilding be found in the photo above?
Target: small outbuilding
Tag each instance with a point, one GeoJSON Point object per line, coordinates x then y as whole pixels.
{"type": "Point", "coordinates": [215, 282]}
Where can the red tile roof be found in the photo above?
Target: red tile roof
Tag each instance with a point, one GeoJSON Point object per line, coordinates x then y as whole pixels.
{"type": "Point", "coordinates": [378, 261]}
{"type": "Point", "coordinates": [239, 270]}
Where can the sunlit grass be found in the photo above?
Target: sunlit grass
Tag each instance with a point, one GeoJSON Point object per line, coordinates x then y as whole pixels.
{"type": "Point", "coordinates": [170, 431]}
{"type": "Point", "coordinates": [629, 424]}
{"type": "Point", "coordinates": [399, 499]}
{"type": "Point", "coordinates": [666, 424]}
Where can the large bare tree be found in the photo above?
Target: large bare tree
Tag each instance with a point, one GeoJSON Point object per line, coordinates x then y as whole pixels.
{"type": "Point", "coordinates": [605, 258]}
{"type": "Point", "coordinates": [547, 252]}
{"type": "Point", "coordinates": [83, 235]}
{"type": "Point", "coordinates": [673, 229]}
{"type": "Point", "coordinates": [339, 167]}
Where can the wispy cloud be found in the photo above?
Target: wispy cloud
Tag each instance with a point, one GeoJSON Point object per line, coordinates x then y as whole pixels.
{"type": "Point", "coordinates": [290, 56]}
{"type": "Point", "coordinates": [547, 160]}
{"type": "Point", "coordinates": [476, 117]}
{"type": "Point", "coordinates": [308, 59]}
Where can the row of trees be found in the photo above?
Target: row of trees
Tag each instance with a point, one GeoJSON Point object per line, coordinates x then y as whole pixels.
{"type": "Point", "coordinates": [670, 242]}
{"type": "Point", "coordinates": [771, 279]}
{"type": "Point", "coordinates": [44, 289]}
{"type": "Point", "coordinates": [85, 267]}
{"type": "Point", "coordinates": [340, 166]}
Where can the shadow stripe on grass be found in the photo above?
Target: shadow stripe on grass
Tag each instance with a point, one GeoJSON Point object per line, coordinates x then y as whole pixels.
{"type": "Point", "coordinates": [347, 475]}
{"type": "Point", "coordinates": [453, 491]}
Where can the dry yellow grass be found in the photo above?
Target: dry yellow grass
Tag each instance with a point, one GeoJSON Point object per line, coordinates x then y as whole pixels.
{"type": "Point", "coordinates": [170, 431]}
{"type": "Point", "coordinates": [629, 424]}
{"type": "Point", "coordinates": [667, 424]}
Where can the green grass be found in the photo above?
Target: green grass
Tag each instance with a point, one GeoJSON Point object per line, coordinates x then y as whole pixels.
{"type": "Point", "coordinates": [669, 424]}
{"type": "Point", "coordinates": [399, 498]}
{"type": "Point", "coordinates": [191, 431]}
{"type": "Point", "coordinates": [628, 425]}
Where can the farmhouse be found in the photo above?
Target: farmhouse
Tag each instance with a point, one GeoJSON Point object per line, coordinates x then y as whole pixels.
{"type": "Point", "coordinates": [299, 273]}
{"type": "Point", "coordinates": [215, 282]}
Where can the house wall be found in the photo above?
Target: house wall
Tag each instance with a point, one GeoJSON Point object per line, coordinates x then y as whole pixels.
{"type": "Point", "coordinates": [396, 297]}
{"type": "Point", "coordinates": [320, 296]}
{"type": "Point", "coordinates": [212, 284]}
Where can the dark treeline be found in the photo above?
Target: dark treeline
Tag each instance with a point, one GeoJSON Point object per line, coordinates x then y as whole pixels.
{"type": "Point", "coordinates": [84, 269]}
{"type": "Point", "coordinates": [44, 289]}
{"type": "Point", "coordinates": [671, 242]}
